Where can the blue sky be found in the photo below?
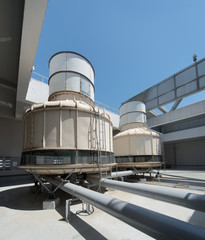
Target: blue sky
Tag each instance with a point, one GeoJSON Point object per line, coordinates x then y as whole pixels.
{"type": "Point", "coordinates": [132, 44]}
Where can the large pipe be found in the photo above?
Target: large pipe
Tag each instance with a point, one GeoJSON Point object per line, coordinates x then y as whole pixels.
{"type": "Point", "coordinates": [119, 174]}
{"type": "Point", "coordinates": [189, 200]}
{"type": "Point", "coordinates": [122, 173]}
{"type": "Point", "coordinates": [152, 223]}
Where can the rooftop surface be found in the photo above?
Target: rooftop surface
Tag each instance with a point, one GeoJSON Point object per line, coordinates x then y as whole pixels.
{"type": "Point", "coordinates": [22, 217]}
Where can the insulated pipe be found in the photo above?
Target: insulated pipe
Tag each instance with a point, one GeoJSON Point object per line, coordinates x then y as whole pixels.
{"type": "Point", "coordinates": [112, 175]}
{"type": "Point", "coordinates": [122, 173]}
{"type": "Point", "coordinates": [189, 200]}
{"type": "Point", "coordinates": [152, 223]}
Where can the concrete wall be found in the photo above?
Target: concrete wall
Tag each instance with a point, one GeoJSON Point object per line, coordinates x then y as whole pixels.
{"type": "Point", "coordinates": [190, 111]}
{"type": "Point", "coordinates": [37, 91]}
{"type": "Point", "coordinates": [115, 119]}
{"type": "Point", "coordinates": [11, 144]}
{"type": "Point", "coordinates": [186, 154]}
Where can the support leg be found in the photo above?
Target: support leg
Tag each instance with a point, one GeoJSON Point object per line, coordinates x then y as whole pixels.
{"type": "Point", "coordinates": [67, 210]}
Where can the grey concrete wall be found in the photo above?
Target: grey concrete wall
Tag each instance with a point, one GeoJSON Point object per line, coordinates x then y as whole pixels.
{"type": "Point", "coordinates": [11, 142]}
{"type": "Point", "coordinates": [169, 154]}
{"type": "Point", "coordinates": [190, 111]}
{"type": "Point", "coordinates": [186, 154]}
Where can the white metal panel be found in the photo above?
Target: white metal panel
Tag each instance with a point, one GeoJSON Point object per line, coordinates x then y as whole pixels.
{"type": "Point", "coordinates": [135, 106]}
{"type": "Point", "coordinates": [67, 81]}
{"type": "Point", "coordinates": [165, 85]}
{"type": "Point", "coordinates": [115, 118]}
{"type": "Point", "coordinates": [79, 64]}
{"type": "Point", "coordinates": [37, 91]}
{"type": "Point", "coordinates": [92, 92]}
{"type": "Point", "coordinates": [85, 87]}
{"type": "Point", "coordinates": [71, 62]}
{"type": "Point", "coordinates": [132, 117]}
{"type": "Point", "coordinates": [166, 97]}
{"type": "Point", "coordinates": [186, 76]}
{"type": "Point", "coordinates": [201, 68]}
{"type": "Point", "coordinates": [202, 82]}
{"type": "Point", "coordinates": [57, 63]}
{"type": "Point", "coordinates": [72, 82]}
{"type": "Point", "coordinates": [151, 93]}
{"type": "Point", "coordinates": [151, 104]}
{"type": "Point", "coordinates": [57, 83]}
{"type": "Point", "coordinates": [188, 88]}
{"type": "Point", "coordinates": [151, 97]}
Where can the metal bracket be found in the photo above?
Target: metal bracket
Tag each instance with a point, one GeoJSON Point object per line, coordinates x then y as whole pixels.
{"type": "Point", "coordinates": [85, 210]}
{"type": "Point", "coordinates": [51, 193]}
{"type": "Point", "coordinates": [40, 180]}
{"type": "Point", "coordinates": [64, 181]}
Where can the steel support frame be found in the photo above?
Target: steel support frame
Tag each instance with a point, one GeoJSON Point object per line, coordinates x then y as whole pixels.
{"type": "Point", "coordinates": [68, 211]}
{"type": "Point", "coordinates": [51, 193]}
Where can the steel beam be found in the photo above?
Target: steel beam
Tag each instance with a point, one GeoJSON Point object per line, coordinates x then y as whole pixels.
{"type": "Point", "coordinates": [152, 223]}
{"type": "Point", "coordinates": [163, 109]}
{"type": "Point", "coordinates": [153, 113]}
{"type": "Point", "coordinates": [176, 104]}
{"type": "Point", "coordinates": [182, 84]}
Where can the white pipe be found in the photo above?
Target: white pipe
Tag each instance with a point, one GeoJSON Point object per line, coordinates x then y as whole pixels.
{"type": "Point", "coordinates": [122, 173]}
{"type": "Point", "coordinates": [152, 223]}
{"type": "Point", "coordinates": [189, 200]}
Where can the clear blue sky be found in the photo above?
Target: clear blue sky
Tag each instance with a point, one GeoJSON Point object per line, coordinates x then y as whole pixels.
{"type": "Point", "coordinates": [132, 44]}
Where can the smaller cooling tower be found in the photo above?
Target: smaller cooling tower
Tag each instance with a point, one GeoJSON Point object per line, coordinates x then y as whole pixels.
{"type": "Point", "coordinates": [136, 145]}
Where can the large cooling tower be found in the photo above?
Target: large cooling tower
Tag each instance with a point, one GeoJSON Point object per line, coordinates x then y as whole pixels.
{"type": "Point", "coordinates": [68, 133]}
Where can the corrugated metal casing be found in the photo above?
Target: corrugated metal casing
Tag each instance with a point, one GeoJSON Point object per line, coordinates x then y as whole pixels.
{"type": "Point", "coordinates": [70, 61]}
{"type": "Point", "coordinates": [136, 143]}
{"type": "Point", "coordinates": [72, 72]}
{"type": "Point", "coordinates": [68, 81]}
{"type": "Point", "coordinates": [135, 106]}
{"type": "Point", "coordinates": [132, 112]}
{"type": "Point", "coordinates": [74, 126]}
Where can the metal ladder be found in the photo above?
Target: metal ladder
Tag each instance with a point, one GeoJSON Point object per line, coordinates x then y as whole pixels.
{"type": "Point", "coordinates": [101, 144]}
{"type": "Point", "coordinates": [92, 136]}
